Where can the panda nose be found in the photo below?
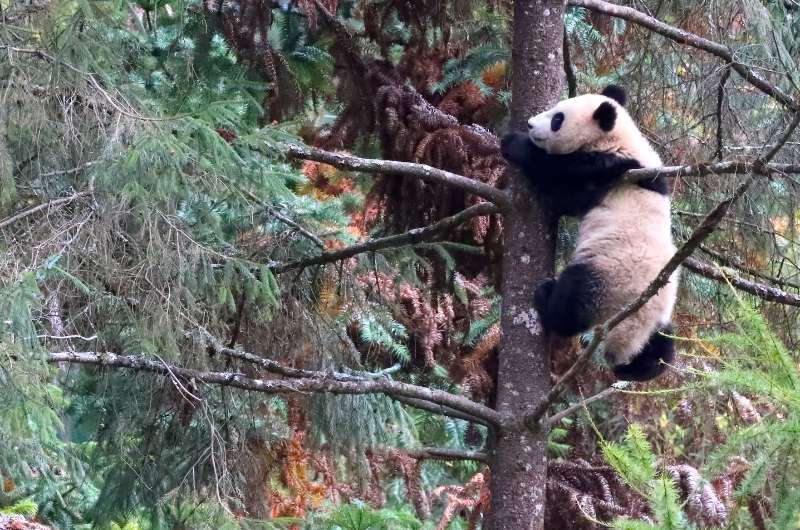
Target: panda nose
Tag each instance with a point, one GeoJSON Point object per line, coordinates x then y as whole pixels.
{"type": "Point", "coordinates": [530, 126]}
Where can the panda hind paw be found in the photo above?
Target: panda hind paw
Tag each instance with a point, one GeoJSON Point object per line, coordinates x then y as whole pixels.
{"type": "Point", "coordinates": [542, 295]}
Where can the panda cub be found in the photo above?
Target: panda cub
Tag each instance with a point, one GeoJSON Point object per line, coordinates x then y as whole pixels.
{"type": "Point", "coordinates": [574, 155]}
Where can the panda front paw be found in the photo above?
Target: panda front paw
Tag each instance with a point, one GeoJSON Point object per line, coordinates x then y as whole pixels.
{"type": "Point", "coordinates": [541, 297]}
{"type": "Point", "coordinates": [515, 147]}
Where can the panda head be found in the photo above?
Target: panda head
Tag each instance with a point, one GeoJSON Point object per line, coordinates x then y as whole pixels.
{"type": "Point", "coordinates": [592, 122]}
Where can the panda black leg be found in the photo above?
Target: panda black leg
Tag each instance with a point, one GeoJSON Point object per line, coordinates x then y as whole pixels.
{"type": "Point", "coordinates": [567, 306]}
{"type": "Point", "coordinates": [648, 363]}
{"type": "Point", "coordinates": [542, 295]}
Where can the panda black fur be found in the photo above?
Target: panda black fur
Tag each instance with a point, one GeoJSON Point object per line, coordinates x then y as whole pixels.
{"type": "Point", "coordinates": [574, 155]}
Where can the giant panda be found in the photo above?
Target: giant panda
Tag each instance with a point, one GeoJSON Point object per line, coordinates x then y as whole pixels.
{"type": "Point", "coordinates": [574, 155]}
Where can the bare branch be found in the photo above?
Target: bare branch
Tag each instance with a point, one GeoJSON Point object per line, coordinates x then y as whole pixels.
{"type": "Point", "coordinates": [555, 418]}
{"type": "Point", "coordinates": [414, 236]}
{"type": "Point", "coordinates": [45, 206]}
{"type": "Point", "coordinates": [720, 99]}
{"type": "Point", "coordinates": [320, 384]}
{"type": "Point", "coordinates": [700, 233]}
{"type": "Point", "coordinates": [684, 37]}
{"type": "Point", "coordinates": [701, 170]}
{"type": "Point", "coordinates": [407, 169]}
{"type": "Point", "coordinates": [443, 453]}
{"type": "Point", "coordinates": [765, 292]}
{"type": "Point", "coordinates": [441, 410]}
{"type": "Point", "coordinates": [727, 261]}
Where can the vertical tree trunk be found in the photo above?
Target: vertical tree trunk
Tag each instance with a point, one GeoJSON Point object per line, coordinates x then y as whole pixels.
{"type": "Point", "coordinates": [519, 466]}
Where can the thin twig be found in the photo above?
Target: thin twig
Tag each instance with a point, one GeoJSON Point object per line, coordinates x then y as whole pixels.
{"type": "Point", "coordinates": [720, 98]}
{"type": "Point", "coordinates": [684, 37]}
{"type": "Point", "coordinates": [408, 169]}
{"type": "Point", "coordinates": [555, 418]}
{"type": "Point", "coordinates": [294, 224]}
{"type": "Point", "coordinates": [718, 168]}
{"type": "Point", "coordinates": [414, 236]}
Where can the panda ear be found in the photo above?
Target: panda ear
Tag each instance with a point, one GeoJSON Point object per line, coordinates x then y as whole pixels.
{"type": "Point", "coordinates": [606, 116]}
{"type": "Point", "coordinates": [617, 93]}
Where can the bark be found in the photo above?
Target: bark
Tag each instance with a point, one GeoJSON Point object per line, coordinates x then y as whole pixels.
{"type": "Point", "coordinates": [519, 465]}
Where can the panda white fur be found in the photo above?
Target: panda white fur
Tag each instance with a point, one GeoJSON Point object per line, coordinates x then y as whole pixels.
{"type": "Point", "coordinates": [574, 155]}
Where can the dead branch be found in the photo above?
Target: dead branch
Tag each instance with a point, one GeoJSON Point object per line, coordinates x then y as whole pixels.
{"type": "Point", "coordinates": [735, 167]}
{"type": "Point", "coordinates": [408, 169]}
{"type": "Point", "coordinates": [45, 206]}
{"type": "Point", "coordinates": [690, 39]}
{"type": "Point", "coordinates": [765, 292]}
{"type": "Point", "coordinates": [555, 418]}
{"type": "Point", "coordinates": [321, 384]}
{"type": "Point", "coordinates": [414, 236]}
{"type": "Point", "coordinates": [440, 409]}
{"type": "Point", "coordinates": [727, 261]}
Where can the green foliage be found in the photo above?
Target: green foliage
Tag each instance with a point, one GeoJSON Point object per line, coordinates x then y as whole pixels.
{"type": "Point", "coordinates": [756, 363]}
{"type": "Point", "coordinates": [359, 516]}
{"type": "Point", "coordinates": [635, 463]}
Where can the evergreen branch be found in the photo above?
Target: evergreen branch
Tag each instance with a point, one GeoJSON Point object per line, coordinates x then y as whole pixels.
{"type": "Point", "coordinates": [444, 453]}
{"type": "Point", "coordinates": [555, 418]}
{"type": "Point", "coordinates": [45, 206]}
{"type": "Point", "coordinates": [406, 169]}
{"type": "Point", "coordinates": [765, 292]}
{"type": "Point", "coordinates": [440, 409]}
{"type": "Point", "coordinates": [696, 41]}
{"type": "Point", "coordinates": [709, 223]}
{"type": "Point", "coordinates": [320, 384]}
{"type": "Point", "coordinates": [412, 237]}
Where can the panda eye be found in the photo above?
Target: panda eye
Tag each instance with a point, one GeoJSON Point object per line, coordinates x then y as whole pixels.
{"type": "Point", "coordinates": [555, 123]}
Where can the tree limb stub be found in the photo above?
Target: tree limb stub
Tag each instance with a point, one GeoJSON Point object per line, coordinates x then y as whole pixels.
{"type": "Point", "coordinates": [408, 169]}
{"type": "Point", "coordinates": [304, 385]}
{"type": "Point", "coordinates": [690, 39]}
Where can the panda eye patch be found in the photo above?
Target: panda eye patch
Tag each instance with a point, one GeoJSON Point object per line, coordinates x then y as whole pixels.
{"type": "Point", "coordinates": [556, 121]}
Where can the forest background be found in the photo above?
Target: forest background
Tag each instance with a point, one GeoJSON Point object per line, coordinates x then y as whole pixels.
{"type": "Point", "coordinates": [263, 267]}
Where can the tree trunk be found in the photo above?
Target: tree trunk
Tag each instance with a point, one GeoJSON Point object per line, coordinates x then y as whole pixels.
{"type": "Point", "coordinates": [519, 465]}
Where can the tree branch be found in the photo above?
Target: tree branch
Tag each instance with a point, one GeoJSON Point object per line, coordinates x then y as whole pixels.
{"type": "Point", "coordinates": [555, 418]}
{"type": "Point", "coordinates": [322, 383]}
{"type": "Point", "coordinates": [727, 261]}
{"type": "Point", "coordinates": [50, 204]}
{"type": "Point", "coordinates": [718, 168]}
{"type": "Point", "coordinates": [441, 410]}
{"type": "Point", "coordinates": [414, 236]}
{"type": "Point", "coordinates": [407, 169]}
{"type": "Point", "coordinates": [765, 292]}
{"type": "Point", "coordinates": [443, 453]}
{"type": "Point", "coordinates": [709, 223]}
{"type": "Point", "coordinates": [684, 37]}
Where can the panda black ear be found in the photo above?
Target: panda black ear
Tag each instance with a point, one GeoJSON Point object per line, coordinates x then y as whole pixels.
{"type": "Point", "coordinates": [606, 116]}
{"type": "Point", "coordinates": [617, 93]}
